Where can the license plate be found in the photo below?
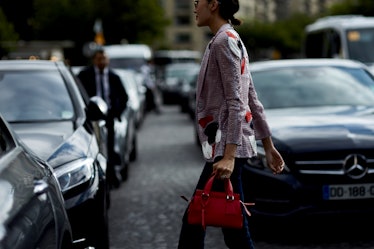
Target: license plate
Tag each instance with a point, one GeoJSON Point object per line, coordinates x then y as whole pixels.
{"type": "Point", "coordinates": [347, 192]}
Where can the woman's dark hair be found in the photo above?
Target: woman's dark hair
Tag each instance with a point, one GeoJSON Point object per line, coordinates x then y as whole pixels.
{"type": "Point", "coordinates": [227, 10]}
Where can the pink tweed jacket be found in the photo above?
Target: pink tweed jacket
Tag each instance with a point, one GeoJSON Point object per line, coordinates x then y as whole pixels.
{"type": "Point", "coordinates": [227, 107]}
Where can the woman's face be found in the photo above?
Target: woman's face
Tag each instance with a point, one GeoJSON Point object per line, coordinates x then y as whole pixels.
{"type": "Point", "coordinates": [202, 12]}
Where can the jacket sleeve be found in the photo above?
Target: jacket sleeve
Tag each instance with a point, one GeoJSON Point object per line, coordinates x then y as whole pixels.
{"type": "Point", "coordinates": [260, 125]}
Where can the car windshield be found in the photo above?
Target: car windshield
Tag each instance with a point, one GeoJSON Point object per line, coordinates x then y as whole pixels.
{"type": "Point", "coordinates": [314, 86]}
{"type": "Point", "coordinates": [182, 72]}
{"type": "Point", "coordinates": [34, 96]}
{"type": "Point", "coordinates": [360, 44]}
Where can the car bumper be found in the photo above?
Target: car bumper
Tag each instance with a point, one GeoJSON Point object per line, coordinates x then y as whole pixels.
{"type": "Point", "coordinates": [284, 196]}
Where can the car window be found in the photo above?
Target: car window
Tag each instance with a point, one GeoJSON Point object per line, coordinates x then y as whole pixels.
{"type": "Point", "coordinates": [127, 63]}
{"type": "Point", "coordinates": [6, 141]}
{"type": "Point", "coordinates": [3, 143]}
{"type": "Point", "coordinates": [34, 95]}
{"type": "Point", "coordinates": [174, 74]}
{"type": "Point", "coordinates": [314, 86]}
{"type": "Point", "coordinates": [360, 44]}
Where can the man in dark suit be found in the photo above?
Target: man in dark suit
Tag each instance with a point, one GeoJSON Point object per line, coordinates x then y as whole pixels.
{"type": "Point", "coordinates": [99, 80]}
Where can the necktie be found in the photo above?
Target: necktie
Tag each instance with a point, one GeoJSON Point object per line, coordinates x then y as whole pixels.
{"type": "Point", "coordinates": [102, 88]}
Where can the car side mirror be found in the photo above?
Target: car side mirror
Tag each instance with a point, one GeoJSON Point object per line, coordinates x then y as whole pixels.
{"type": "Point", "coordinates": [97, 109]}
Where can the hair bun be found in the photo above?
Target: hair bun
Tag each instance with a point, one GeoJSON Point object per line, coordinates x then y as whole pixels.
{"type": "Point", "coordinates": [227, 10]}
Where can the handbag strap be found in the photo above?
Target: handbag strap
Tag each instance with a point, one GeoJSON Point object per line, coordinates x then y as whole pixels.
{"type": "Point", "coordinates": [245, 204]}
{"type": "Point", "coordinates": [228, 185]}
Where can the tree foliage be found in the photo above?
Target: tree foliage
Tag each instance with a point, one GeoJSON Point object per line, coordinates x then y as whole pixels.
{"type": "Point", "coordinates": [62, 19]}
{"type": "Point", "coordinates": [284, 37]}
{"type": "Point", "coordinates": [7, 32]}
{"type": "Point", "coordinates": [7, 35]}
{"type": "Point", "coordinates": [353, 7]}
{"type": "Point", "coordinates": [140, 21]}
{"type": "Point", "coordinates": [143, 21]}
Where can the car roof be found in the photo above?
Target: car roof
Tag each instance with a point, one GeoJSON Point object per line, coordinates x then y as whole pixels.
{"type": "Point", "coordinates": [128, 51]}
{"type": "Point", "coordinates": [193, 54]}
{"type": "Point", "coordinates": [274, 64]}
{"type": "Point", "coordinates": [342, 21]}
{"type": "Point", "coordinates": [29, 64]}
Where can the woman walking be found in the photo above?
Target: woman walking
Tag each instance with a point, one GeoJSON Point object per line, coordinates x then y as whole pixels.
{"type": "Point", "coordinates": [230, 118]}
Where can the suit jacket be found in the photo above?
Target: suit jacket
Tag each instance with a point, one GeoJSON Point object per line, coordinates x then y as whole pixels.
{"type": "Point", "coordinates": [227, 107]}
{"type": "Point", "coordinates": [117, 93]}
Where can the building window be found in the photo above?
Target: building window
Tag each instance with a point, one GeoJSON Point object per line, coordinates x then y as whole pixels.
{"type": "Point", "coordinates": [182, 5]}
{"type": "Point", "coordinates": [182, 38]}
{"type": "Point", "coordinates": [182, 20]}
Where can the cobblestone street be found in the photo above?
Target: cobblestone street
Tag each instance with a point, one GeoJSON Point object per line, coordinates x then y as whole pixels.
{"type": "Point", "coordinates": [146, 210]}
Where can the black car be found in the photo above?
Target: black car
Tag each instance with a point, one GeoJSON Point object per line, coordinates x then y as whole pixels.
{"type": "Point", "coordinates": [321, 113]}
{"type": "Point", "coordinates": [176, 82]}
{"type": "Point", "coordinates": [44, 105]}
{"type": "Point", "coordinates": [32, 211]}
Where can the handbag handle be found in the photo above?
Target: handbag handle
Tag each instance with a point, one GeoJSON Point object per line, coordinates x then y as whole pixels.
{"type": "Point", "coordinates": [228, 186]}
{"type": "Point", "coordinates": [229, 192]}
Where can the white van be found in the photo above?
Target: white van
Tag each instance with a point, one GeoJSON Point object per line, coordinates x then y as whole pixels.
{"type": "Point", "coordinates": [128, 56]}
{"type": "Point", "coordinates": [344, 36]}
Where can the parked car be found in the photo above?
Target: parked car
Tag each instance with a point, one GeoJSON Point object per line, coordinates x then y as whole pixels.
{"type": "Point", "coordinates": [176, 77]}
{"type": "Point", "coordinates": [137, 57]}
{"type": "Point", "coordinates": [133, 84]}
{"type": "Point", "coordinates": [44, 104]}
{"type": "Point", "coordinates": [131, 119]}
{"type": "Point", "coordinates": [187, 96]}
{"type": "Point", "coordinates": [32, 211]}
{"type": "Point", "coordinates": [128, 56]}
{"type": "Point", "coordinates": [126, 128]}
{"type": "Point", "coordinates": [142, 93]}
{"type": "Point", "coordinates": [321, 114]}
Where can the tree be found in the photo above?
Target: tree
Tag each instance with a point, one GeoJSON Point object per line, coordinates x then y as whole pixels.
{"type": "Point", "coordinates": [62, 19]}
{"type": "Point", "coordinates": [7, 35]}
{"type": "Point", "coordinates": [283, 37]}
{"type": "Point", "coordinates": [140, 21]}
{"type": "Point", "coordinates": [353, 7]}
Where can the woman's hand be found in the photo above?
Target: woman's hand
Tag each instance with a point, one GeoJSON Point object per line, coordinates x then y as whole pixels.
{"type": "Point", "coordinates": [224, 167]}
{"type": "Point", "coordinates": [273, 157]}
{"type": "Point", "coordinates": [275, 161]}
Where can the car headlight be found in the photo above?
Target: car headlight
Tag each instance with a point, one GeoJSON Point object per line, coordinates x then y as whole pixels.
{"type": "Point", "coordinates": [74, 174]}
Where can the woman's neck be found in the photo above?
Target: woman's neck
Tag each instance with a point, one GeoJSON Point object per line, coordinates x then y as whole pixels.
{"type": "Point", "coordinates": [215, 26]}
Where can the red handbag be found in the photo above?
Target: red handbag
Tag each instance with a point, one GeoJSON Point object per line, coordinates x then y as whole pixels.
{"type": "Point", "coordinates": [219, 209]}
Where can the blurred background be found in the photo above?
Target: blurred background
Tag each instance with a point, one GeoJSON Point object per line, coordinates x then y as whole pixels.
{"type": "Point", "coordinates": [69, 29]}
